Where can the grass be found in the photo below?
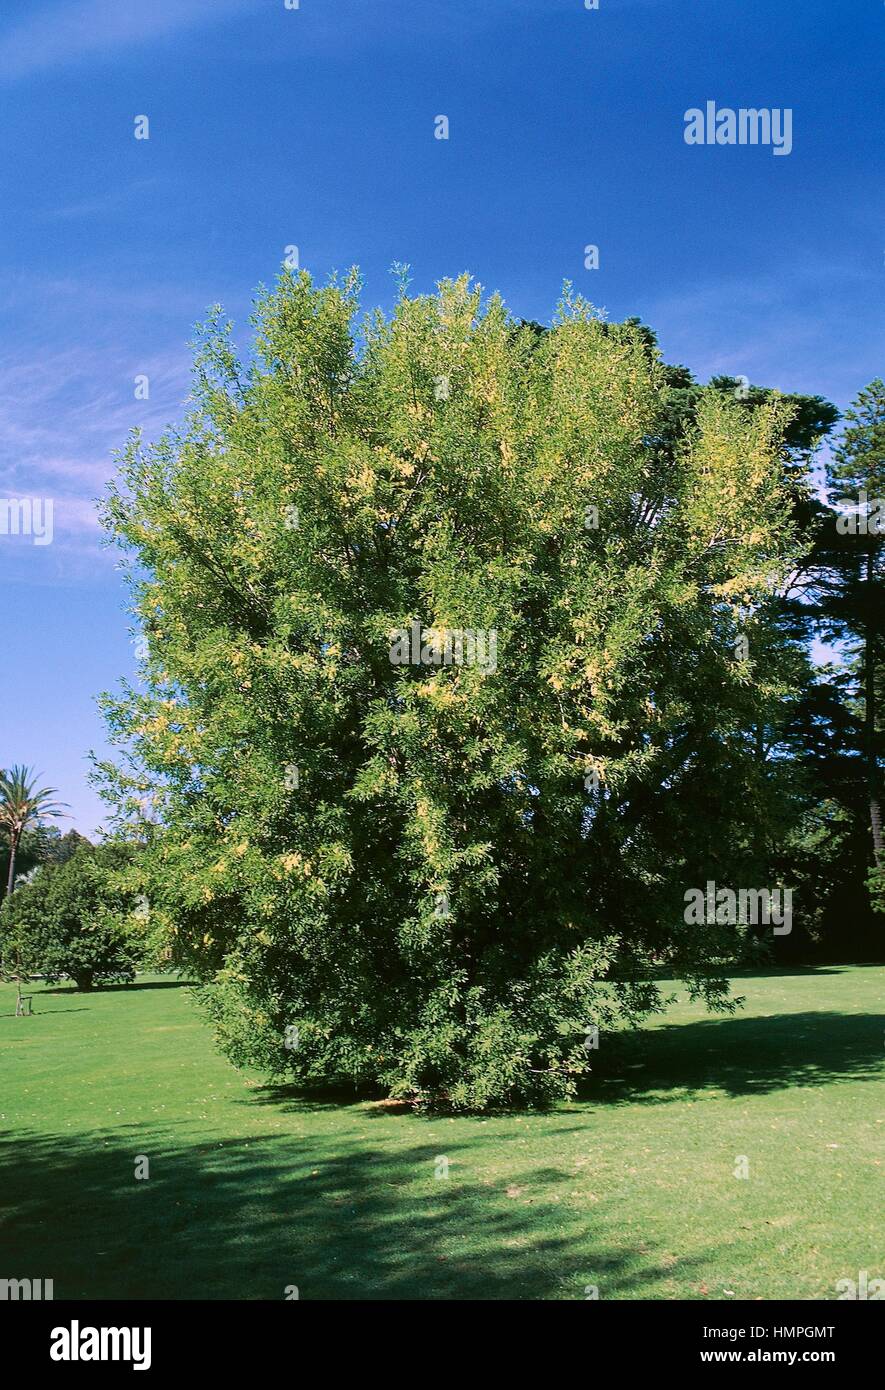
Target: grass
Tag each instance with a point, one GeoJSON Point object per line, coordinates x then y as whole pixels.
{"type": "Point", "coordinates": [632, 1189]}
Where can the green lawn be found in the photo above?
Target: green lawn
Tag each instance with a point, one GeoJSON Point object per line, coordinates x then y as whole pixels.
{"type": "Point", "coordinates": [631, 1189]}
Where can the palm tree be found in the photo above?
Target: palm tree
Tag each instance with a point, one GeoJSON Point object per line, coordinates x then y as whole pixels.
{"type": "Point", "coordinates": [22, 805]}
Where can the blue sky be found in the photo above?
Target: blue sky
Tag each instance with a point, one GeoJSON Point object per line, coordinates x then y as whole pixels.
{"type": "Point", "coordinates": [315, 127]}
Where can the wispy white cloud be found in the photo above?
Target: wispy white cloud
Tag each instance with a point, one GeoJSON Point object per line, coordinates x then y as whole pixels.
{"type": "Point", "coordinates": [102, 204]}
{"type": "Point", "coordinates": [62, 416]}
{"type": "Point", "coordinates": [789, 329]}
{"type": "Point", "coordinates": [66, 33]}
{"type": "Point", "coordinates": [63, 34]}
{"type": "Point", "coordinates": [74, 296]}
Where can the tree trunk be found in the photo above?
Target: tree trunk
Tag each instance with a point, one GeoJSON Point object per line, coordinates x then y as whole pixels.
{"type": "Point", "coordinates": [10, 885]}
{"type": "Point", "coordinates": [13, 848]}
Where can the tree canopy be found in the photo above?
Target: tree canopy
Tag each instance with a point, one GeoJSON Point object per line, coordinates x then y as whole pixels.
{"type": "Point", "coordinates": [75, 919]}
{"type": "Point", "coordinates": [461, 669]}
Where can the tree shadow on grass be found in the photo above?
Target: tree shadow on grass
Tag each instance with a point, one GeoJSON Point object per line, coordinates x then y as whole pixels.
{"type": "Point", "coordinates": [133, 987]}
{"type": "Point", "coordinates": [37, 1013]}
{"type": "Point", "coordinates": [740, 1056]}
{"type": "Point", "coordinates": [300, 1098]}
{"type": "Point", "coordinates": [245, 1219]}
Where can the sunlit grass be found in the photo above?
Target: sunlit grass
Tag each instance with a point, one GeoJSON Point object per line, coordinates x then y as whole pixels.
{"type": "Point", "coordinates": [631, 1189]}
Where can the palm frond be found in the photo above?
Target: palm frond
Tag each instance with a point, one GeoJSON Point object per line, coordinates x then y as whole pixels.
{"type": "Point", "coordinates": [22, 802]}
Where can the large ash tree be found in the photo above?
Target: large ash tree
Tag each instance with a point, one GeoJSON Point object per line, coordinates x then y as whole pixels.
{"type": "Point", "coordinates": [432, 876]}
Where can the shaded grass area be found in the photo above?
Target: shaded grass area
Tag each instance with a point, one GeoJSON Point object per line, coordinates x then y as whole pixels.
{"type": "Point", "coordinates": [630, 1189]}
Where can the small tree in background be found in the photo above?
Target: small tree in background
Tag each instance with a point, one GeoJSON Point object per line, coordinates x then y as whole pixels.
{"type": "Point", "coordinates": [23, 808]}
{"type": "Point", "coordinates": [437, 875]}
{"type": "Point", "coordinates": [76, 920]}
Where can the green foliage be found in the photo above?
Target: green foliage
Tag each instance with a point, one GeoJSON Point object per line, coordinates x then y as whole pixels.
{"type": "Point", "coordinates": [74, 920]}
{"type": "Point", "coordinates": [438, 877]}
{"type": "Point", "coordinates": [58, 848]}
{"type": "Point", "coordinates": [33, 849]}
{"type": "Point", "coordinates": [843, 592]}
{"type": "Point", "coordinates": [23, 808]}
{"type": "Point", "coordinates": [40, 844]}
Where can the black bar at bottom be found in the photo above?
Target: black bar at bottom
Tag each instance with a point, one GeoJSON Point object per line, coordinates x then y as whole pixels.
{"type": "Point", "coordinates": [229, 1338]}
